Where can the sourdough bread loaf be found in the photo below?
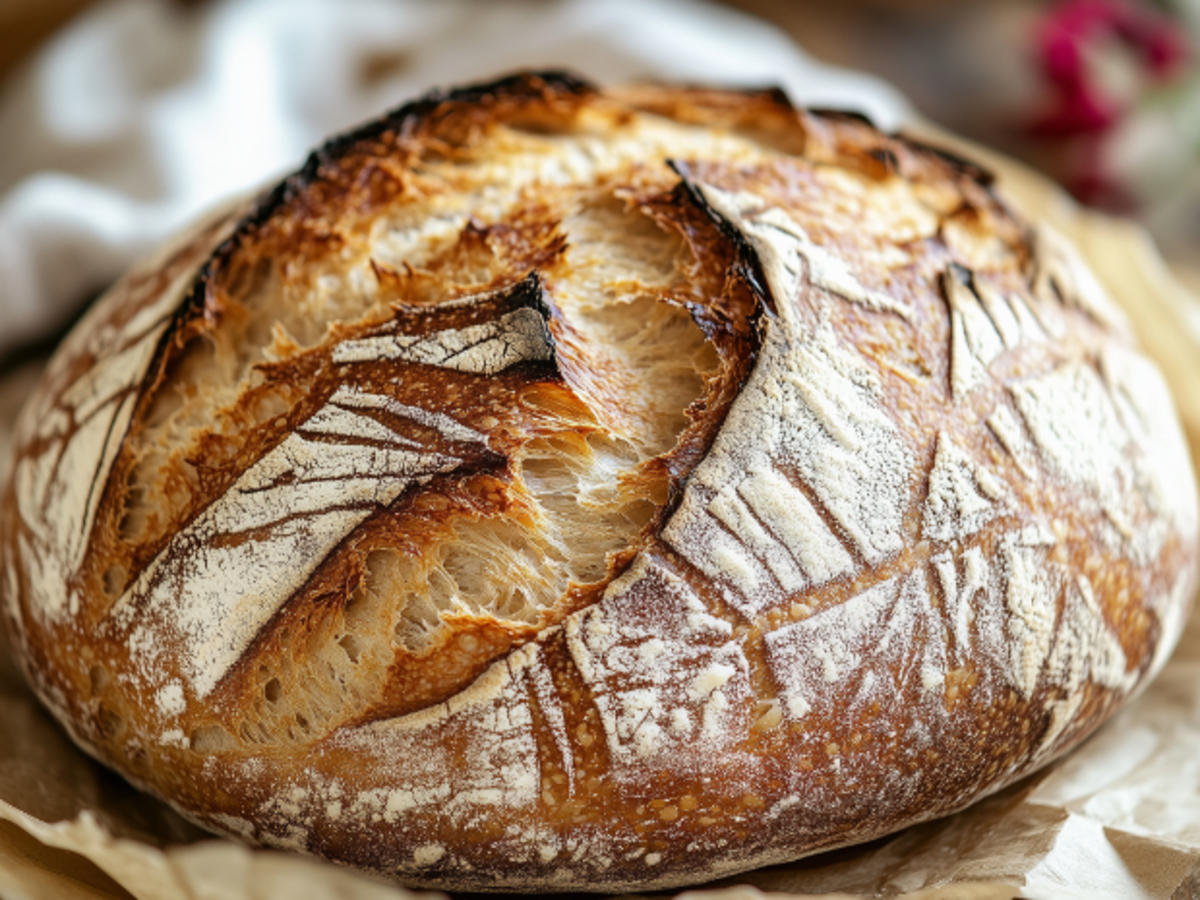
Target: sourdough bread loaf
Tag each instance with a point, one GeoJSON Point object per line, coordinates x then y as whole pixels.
{"type": "Point", "coordinates": [552, 487]}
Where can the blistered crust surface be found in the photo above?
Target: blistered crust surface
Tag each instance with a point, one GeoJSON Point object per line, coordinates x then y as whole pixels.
{"type": "Point", "coordinates": [832, 496]}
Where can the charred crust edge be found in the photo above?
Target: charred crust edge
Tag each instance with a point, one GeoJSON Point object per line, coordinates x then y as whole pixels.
{"type": "Point", "coordinates": [748, 265]}
{"type": "Point", "coordinates": [978, 173]}
{"type": "Point", "coordinates": [843, 115]}
{"type": "Point", "coordinates": [523, 84]}
{"type": "Point", "coordinates": [527, 293]}
{"type": "Point", "coordinates": [887, 158]}
{"type": "Point", "coordinates": [527, 85]}
{"type": "Point", "coordinates": [962, 274]}
{"type": "Point", "coordinates": [975, 171]}
{"type": "Point", "coordinates": [773, 93]}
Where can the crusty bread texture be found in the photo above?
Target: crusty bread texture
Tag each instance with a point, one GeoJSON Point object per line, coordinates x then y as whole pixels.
{"type": "Point", "coordinates": [550, 487]}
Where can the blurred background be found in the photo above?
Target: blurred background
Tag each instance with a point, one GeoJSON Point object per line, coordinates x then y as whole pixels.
{"type": "Point", "coordinates": [1102, 95]}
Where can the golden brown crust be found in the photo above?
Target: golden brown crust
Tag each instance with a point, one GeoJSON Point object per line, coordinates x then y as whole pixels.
{"type": "Point", "coordinates": [554, 487]}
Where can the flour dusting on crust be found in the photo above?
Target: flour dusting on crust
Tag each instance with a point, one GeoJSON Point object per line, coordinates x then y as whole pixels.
{"type": "Point", "coordinates": [963, 496]}
{"type": "Point", "coordinates": [668, 682]}
{"type": "Point", "coordinates": [813, 409]}
{"type": "Point", "coordinates": [273, 527]}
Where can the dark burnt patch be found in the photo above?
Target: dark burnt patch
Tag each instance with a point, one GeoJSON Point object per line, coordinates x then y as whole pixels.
{"type": "Point", "coordinates": [886, 157]}
{"type": "Point", "coordinates": [474, 309]}
{"type": "Point", "coordinates": [496, 315]}
{"type": "Point", "coordinates": [404, 121]}
{"type": "Point", "coordinates": [977, 173]}
{"type": "Point", "coordinates": [747, 264]}
{"type": "Point", "coordinates": [842, 115]}
{"type": "Point", "coordinates": [388, 133]}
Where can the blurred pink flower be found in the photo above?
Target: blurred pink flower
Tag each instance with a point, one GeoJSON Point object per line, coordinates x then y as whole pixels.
{"type": "Point", "coordinates": [1099, 60]}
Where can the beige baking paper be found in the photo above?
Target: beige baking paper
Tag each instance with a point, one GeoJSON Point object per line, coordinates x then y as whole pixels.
{"type": "Point", "coordinates": [1118, 818]}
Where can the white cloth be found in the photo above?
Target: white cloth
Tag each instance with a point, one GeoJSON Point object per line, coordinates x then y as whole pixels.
{"type": "Point", "coordinates": [140, 115]}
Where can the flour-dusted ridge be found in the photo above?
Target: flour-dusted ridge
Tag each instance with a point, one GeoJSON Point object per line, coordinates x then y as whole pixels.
{"type": "Point", "coordinates": [665, 676]}
{"type": "Point", "coordinates": [302, 498]}
{"type": "Point", "coordinates": [962, 496]}
{"type": "Point", "coordinates": [556, 488]}
{"type": "Point", "coordinates": [78, 431]}
{"type": "Point", "coordinates": [307, 495]}
{"type": "Point", "coordinates": [814, 410]}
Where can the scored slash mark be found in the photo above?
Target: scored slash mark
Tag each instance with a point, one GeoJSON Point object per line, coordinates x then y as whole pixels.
{"type": "Point", "coordinates": [482, 334]}
{"type": "Point", "coordinates": [323, 480]}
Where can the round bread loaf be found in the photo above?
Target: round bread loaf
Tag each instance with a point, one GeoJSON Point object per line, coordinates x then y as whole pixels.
{"type": "Point", "coordinates": [549, 487]}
